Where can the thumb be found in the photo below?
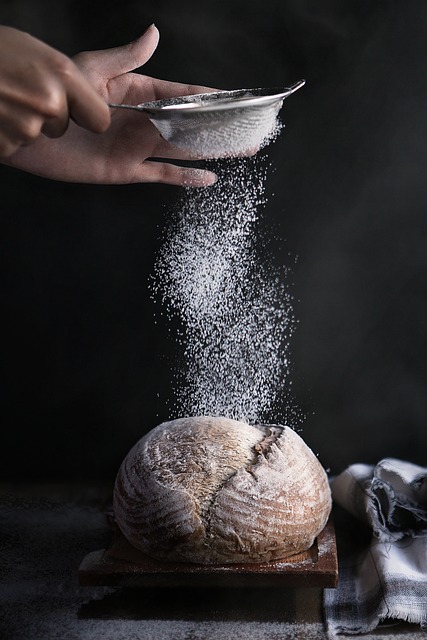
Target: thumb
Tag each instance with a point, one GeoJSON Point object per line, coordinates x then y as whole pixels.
{"type": "Point", "coordinates": [141, 49]}
{"type": "Point", "coordinates": [118, 60]}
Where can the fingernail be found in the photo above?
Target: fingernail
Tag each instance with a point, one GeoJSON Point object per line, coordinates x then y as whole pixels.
{"type": "Point", "coordinates": [144, 33]}
{"type": "Point", "coordinates": [212, 179]}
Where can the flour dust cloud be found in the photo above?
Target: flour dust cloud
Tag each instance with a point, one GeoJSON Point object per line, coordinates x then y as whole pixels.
{"type": "Point", "coordinates": [233, 306]}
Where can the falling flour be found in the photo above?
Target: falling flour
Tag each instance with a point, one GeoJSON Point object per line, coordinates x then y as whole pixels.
{"type": "Point", "coordinates": [215, 276]}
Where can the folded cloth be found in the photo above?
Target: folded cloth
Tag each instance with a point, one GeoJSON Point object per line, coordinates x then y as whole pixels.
{"type": "Point", "coordinates": [386, 577]}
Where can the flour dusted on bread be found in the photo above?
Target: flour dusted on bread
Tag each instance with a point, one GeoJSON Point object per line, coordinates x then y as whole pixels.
{"type": "Point", "coordinates": [216, 491]}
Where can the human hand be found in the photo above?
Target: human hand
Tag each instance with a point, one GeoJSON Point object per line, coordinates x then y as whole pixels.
{"type": "Point", "coordinates": [40, 88]}
{"type": "Point", "coordinates": [125, 153]}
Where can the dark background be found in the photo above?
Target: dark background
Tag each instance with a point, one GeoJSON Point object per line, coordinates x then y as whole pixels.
{"type": "Point", "coordinates": [85, 371]}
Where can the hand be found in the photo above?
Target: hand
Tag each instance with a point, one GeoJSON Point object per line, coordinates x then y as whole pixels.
{"type": "Point", "coordinates": [40, 89]}
{"type": "Point", "coordinates": [120, 155]}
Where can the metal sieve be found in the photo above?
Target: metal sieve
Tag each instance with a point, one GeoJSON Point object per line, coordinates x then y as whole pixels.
{"type": "Point", "coordinates": [218, 124]}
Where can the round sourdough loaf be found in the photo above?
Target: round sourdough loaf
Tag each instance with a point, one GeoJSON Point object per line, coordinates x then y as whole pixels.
{"type": "Point", "coordinates": [215, 491]}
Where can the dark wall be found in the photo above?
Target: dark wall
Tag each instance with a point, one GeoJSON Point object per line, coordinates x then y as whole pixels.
{"type": "Point", "coordinates": [86, 370]}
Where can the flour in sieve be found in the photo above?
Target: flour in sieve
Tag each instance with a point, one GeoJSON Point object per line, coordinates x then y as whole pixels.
{"type": "Point", "coordinates": [224, 134]}
{"type": "Point", "coordinates": [234, 307]}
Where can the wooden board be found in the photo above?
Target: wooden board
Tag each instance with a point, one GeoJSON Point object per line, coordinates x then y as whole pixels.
{"type": "Point", "coordinates": [123, 565]}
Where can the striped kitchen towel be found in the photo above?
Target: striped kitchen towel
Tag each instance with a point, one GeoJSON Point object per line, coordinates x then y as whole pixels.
{"type": "Point", "coordinates": [386, 576]}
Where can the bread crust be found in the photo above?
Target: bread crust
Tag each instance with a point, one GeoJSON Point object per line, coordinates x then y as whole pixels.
{"type": "Point", "coordinates": [217, 491]}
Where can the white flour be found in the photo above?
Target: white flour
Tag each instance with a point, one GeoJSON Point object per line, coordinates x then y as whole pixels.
{"type": "Point", "coordinates": [234, 308]}
{"type": "Point", "coordinates": [219, 129]}
{"type": "Point", "coordinates": [224, 133]}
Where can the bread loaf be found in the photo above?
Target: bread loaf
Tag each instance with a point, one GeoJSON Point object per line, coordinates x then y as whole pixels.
{"type": "Point", "coordinates": [216, 491]}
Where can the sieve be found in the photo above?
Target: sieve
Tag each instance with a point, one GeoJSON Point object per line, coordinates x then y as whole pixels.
{"type": "Point", "coordinates": [218, 124]}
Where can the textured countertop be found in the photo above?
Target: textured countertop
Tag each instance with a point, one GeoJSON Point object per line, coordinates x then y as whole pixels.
{"type": "Point", "coordinates": [45, 533]}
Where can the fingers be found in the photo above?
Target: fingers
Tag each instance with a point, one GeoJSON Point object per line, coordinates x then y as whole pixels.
{"type": "Point", "coordinates": [68, 94]}
{"type": "Point", "coordinates": [143, 48]}
{"type": "Point", "coordinates": [65, 93]}
{"type": "Point", "coordinates": [166, 173]}
{"type": "Point", "coordinates": [40, 88]}
{"type": "Point", "coordinates": [55, 127]}
{"type": "Point", "coordinates": [18, 127]}
{"type": "Point", "coordinates": [110, 63]}
{"type": "Point", "coordinates": [86, 107]}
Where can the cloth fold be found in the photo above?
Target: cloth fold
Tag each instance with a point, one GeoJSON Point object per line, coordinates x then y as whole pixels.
{"type": "Point", "coordinates": [385, 575]}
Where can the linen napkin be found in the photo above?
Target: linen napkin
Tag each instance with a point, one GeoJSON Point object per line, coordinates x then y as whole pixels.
{"type": "Point", "coordinates": [383, 574]}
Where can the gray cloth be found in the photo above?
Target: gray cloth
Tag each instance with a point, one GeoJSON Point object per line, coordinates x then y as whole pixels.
{"type": "Point", "coordinates": [386, 577]}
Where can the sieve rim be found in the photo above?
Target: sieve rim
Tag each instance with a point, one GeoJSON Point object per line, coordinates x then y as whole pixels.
{"type": "Point", "coordinates": [189, 105]}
